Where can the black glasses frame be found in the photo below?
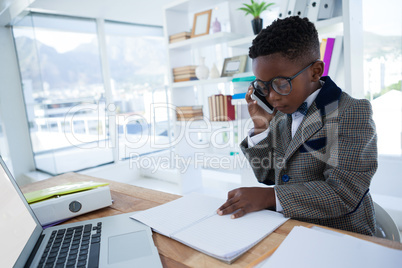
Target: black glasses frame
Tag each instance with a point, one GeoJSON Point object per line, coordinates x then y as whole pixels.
{"type": "Point", "coordinates": [268, 84]}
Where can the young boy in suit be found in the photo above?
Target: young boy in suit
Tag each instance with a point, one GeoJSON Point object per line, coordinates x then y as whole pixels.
{"type": "Point", "coordinates": [318, 148]}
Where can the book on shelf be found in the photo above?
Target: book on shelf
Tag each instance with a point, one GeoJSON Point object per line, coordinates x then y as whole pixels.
{"type": "Point", "coordinates": [179, 37]}
{"type": "Point", "coordinates": [193, 221]}
{"type": "Point", "coordinates": [323, 44]}
{"type": "Point", "coordinates": [184, 73]}
{"type": "Point", "coordinates": [182, 76]}
{"type": "Point", "coordinates": [336, 56]}
{"type": "Point", "coordinates": [184, 113]}
{"type": "Point", "coordinates": [185, 79]}
{"type": "Point", "coordinates": [328, 54]}
{"type": "Point", "coordinates": [221, 108]}
{"type": "Point", "coordinates": [184, 69]}
{"type": "Point", "coordinates": [331, 50]}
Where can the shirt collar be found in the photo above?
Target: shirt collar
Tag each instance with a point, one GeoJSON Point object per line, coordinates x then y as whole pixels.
{"type": "Point", "coordinates": [310, 99]}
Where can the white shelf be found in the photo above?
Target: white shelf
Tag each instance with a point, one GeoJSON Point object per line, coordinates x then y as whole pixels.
{"type": "Point", "coordinates": [191, 6]}
{"type": "Point", "coordinates": [201, 82]}
{"type": "Point", "coordinates": [330, 25]}
{"type": "Point", "coordinates": [239, 101]}
{"type": "Point", "coordinates": [332, 22]}
{"type": "Point", "coordinates": [214, 124]}
{"type": "Point", "coordinates": [206, 40]}
{"type": "Point", "coordinates": [322, 26]}
{"type": "Point", "coordinates": [244, 42]}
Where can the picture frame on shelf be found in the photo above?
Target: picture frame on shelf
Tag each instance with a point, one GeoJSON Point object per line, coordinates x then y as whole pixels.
{"type": "Point", "coordinates": [234, 65]}
{"type": "Point", "coordinates": [201, 23]}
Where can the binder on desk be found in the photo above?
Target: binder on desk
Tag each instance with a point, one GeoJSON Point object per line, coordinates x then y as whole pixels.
{"type": "Point", "coordinates": [68, 200]}
{"type": "Point", "coordinates": [60, 190]}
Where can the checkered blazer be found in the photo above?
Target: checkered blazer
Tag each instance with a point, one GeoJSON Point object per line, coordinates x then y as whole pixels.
{"type": "Point", "coordinates": [323, 174]}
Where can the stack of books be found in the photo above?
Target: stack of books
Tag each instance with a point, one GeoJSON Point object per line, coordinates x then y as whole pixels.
{"type": "Point", "coordinates": [184, 73]}
{"type": "Point", "coordinates": [221, 108]}
{"type": "Point", "coordinates": [184, 113]}
{"type": "Point", "coordinates": [179, 37]}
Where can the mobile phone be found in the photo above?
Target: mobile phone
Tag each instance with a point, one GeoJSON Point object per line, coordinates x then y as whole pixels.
{"type": "Point", "coordinates": [262, 102]}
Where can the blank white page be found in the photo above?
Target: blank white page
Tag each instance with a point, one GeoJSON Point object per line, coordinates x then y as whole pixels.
{"type": "Point", "coordinates": [224, 237]}
{"type": "Point", "coordinates": [180, 213]}
{"type": "Point", "coordinates": [304, 247]}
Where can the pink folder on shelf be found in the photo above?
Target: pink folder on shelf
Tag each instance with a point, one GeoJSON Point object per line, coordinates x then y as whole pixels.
{"type": "Point", "coordinates": [328, 54]}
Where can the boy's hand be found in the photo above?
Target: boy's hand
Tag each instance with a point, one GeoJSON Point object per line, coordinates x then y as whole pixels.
{"type": "Point", "coordinates": [247, 199]}
{"type": "Point", "coordinates": [259, 116]}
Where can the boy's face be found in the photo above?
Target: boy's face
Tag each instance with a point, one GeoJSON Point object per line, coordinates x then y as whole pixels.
{"type": "Point", "coordinates": [268, 67]}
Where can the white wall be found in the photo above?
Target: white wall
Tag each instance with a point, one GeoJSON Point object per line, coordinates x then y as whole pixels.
{"type": "Point", "coordinates": [386, 187]}
{"type": "Point", "coordinates": [12, 107]}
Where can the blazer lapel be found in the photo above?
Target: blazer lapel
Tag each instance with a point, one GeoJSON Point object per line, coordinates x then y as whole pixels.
{"type": "Point", "coordinates": [325, 103]}
{"type": "Point", "coordinates": [311, 123]}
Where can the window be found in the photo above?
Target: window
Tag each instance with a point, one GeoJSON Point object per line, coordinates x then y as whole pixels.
{"type": "Point", "coordinates": [72, 115]}
{"type": "Point", "coordinates": [382, 26]}
{"type": "Point", "coordinates": [137, 60]}
{"type": "Point", "coordinates": [64, 92]}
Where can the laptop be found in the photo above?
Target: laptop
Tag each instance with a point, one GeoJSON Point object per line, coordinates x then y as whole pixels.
{"type": "Point", "coordinates": [115, 241]}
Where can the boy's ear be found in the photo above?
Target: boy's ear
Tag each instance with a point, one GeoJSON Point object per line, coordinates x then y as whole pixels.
{"type": "Point", "coordinates": [318, 70]}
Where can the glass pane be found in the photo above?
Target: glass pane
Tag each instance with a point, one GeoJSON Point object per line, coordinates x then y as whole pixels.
{"type": "Point", "coordinates": [382, 25]}
{"type": "Point", "coordinates": [137, 59]}
{"type": "Point", "coordinates": [63, 89]}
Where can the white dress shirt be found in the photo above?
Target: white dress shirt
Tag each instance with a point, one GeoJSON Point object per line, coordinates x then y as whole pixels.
{"type": "Point", "coordinates": [297, 118]}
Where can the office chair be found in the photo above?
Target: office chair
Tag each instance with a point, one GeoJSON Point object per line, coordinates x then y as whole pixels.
{"type": "Point", "coordinates": [385, 225]}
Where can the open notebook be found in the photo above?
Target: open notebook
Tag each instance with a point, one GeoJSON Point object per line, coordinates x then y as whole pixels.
{"type": "Point", "coordinates": [193, 221]}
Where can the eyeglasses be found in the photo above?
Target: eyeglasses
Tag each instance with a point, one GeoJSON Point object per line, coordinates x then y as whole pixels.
{"type": "Point", "coordinates": [281, 85]}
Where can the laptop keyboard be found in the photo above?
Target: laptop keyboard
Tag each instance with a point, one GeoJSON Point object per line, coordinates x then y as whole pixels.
{"type": "Point", "coordinates": [73, 247]}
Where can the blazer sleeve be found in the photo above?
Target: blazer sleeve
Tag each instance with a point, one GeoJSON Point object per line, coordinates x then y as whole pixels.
{"type": "Point", "coordinates": [346, 175]}
{"type": "Point", "coordinates": [261, 159]}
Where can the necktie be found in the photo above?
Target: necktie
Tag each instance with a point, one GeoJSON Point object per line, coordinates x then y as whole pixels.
{"type": "Point", "coordinates": [303, 108]}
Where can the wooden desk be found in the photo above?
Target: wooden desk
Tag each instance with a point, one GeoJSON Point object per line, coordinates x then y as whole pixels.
{"type": "Point", "coordinates": [129, 198]}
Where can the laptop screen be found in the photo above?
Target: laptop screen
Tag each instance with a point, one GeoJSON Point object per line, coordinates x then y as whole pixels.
{"type": "Point", "coordinates": [16, 222]}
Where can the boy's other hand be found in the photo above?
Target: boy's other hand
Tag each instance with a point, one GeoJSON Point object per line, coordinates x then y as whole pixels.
{"type": "Point", "coordinates": [259, 116]}
{"type": "Point", "coordinates": [247, 199]}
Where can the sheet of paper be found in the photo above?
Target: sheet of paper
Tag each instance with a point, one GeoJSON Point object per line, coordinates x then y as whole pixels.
{"type": "Point", "coordinates": [304, 247]}
{"type": "Point", "coordinates": [226, 237]}
{"type": "Point", "coordinates": [178, 214]}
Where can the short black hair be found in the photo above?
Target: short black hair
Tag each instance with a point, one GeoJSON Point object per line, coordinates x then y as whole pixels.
{"type": "Point", "coordinates": [294, 38]}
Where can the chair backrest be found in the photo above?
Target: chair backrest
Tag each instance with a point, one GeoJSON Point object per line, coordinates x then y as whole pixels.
{"type": "Point", "coordinates": [385, 225]}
